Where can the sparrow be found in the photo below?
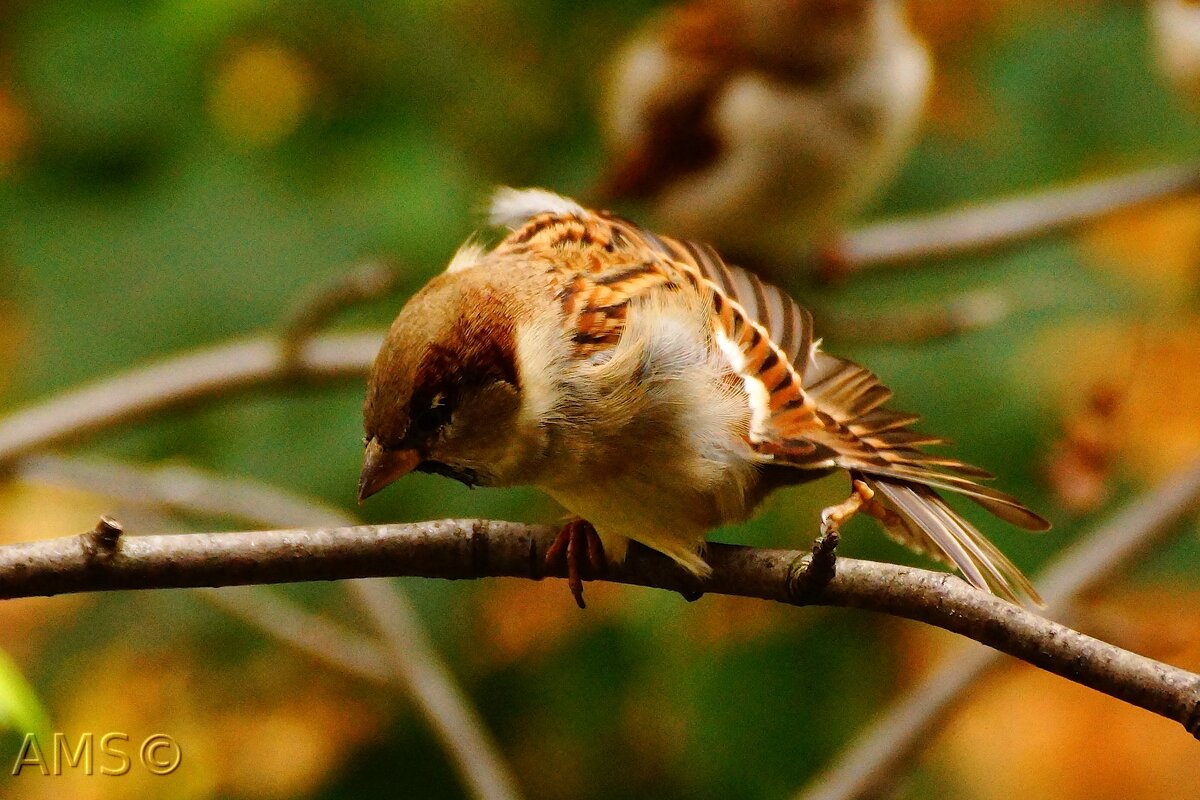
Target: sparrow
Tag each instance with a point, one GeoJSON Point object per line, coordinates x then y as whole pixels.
{"type": "Point", "coordinates": [654, 391]}
{"type": "Point", "coordinates": [1175, 32]}
{"type": "Point", "coordinates": [762, 125]}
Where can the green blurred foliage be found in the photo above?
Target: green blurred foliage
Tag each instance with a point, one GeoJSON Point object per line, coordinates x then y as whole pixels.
{"type": "Point", "coordinates": [20, 710]}
{"type": "Point", "coordinates": [134, 225]}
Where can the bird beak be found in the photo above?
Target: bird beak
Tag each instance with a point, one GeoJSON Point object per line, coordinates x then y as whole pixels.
{"type": "Point", "coordinates": [381, 467]}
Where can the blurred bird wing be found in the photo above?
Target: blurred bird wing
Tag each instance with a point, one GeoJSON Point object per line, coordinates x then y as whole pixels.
{"type": "Point", "coordinates": [659, 105]}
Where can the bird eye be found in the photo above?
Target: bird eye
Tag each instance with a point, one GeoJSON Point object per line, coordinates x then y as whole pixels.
{"type": "Point", "coordinates": [435, 415]}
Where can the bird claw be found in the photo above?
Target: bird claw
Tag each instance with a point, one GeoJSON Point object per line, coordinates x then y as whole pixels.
{"type": "Point", "coordinates": [577, 541]}
{"type": "Point", "coordinates": [833, 517]}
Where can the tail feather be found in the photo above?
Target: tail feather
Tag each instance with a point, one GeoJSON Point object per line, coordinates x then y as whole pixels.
{"type": "Point", "coordinates": [928, 531]}
{"type": "Point", "coordinates": [934, 528]}
{"type": "Point", "coordinates": [909, 438]}
{"type": "Point", "coordinates": [881, 420]}
{"type": "Point", "coordinates": [1002, 505]}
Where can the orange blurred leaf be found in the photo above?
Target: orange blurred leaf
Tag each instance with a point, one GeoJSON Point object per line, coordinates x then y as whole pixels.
{"type": "Point", "coordinates": [1033, 735]}
{"type": "Point", "coordinates": [262, 93]}
{"type": "Point", "coordinates": [1157, 248]}
{"type": "Point", "coordinates": [1155, 427]}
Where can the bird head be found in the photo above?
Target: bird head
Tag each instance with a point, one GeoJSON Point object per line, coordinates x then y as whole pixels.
{"type": "Point", "coordinates": [443, 394]}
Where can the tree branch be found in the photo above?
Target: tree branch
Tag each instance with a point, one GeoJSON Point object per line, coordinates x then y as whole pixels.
{"type": "Point", "coordinates": [200, 375]}
{"type": "Point", "coordinates": [1004, 223]}
{"type": "Point", "coordinates": [874, 759]}
{"type": "Point", "coordinates": [459, 549]}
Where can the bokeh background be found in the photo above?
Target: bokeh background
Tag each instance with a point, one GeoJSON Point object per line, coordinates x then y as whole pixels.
{"type": "Point", "coordinates": [176, 173]}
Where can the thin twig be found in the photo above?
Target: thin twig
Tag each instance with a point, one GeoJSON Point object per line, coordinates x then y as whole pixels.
{"type": "Point", "coordinates": [409, 658]}
{"type": "Point", "coordinates": [321, 303]}
{"type": "Point", "coordinates": [876, 758]}
{"type": "Point", "coordinates": [309, 633]}
{"type": "Point", "coordinates": [1004, 223]}
{"type": "Point", "coordinates": [200, 375]}
{"type": "Point", "coordinates": [460, 549]}
{"type": "Point", "coordinates": [964, 313]}
{"type": "Point", "coordinates": [410, 654]}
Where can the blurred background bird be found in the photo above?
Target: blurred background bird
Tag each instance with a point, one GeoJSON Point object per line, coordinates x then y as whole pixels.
{"type": "Point", "coordinates": [1175, 30]}
{"type": "Point", "coordinates": [762, 125]}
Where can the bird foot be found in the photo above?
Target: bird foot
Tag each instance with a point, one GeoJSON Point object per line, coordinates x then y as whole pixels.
{"type": "Point", "coordinates": [576, 542]}
{"type": "Point", "coordinates": [861, 499]}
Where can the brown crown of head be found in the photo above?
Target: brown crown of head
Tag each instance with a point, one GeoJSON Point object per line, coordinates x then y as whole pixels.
{"type": "Point", "coordinates": [452, 338]}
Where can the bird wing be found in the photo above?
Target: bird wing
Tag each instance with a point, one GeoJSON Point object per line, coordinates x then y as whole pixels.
{"type": "Point", "coordinates": [823, 411]}
{"type": "Point", "coordinates": [606, 261]}
{"type": "Point", "coordinates": [598, 273]}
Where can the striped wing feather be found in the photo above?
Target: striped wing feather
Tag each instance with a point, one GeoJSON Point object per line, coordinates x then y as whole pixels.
{"type": "Point", "coordinates": [788, 325]}
{"type": "Point", "coordinates": [876, 443]}
{"type": "Point", "coordinates": [768, 336]}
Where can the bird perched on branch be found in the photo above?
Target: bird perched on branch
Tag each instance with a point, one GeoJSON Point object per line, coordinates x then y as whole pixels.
{"type": "Point", "coordinates": [653, 390]}
{"type": "Point", "coordinates": [761, 125]}
{"type": "Point", "coordinates": [1175, 29]}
